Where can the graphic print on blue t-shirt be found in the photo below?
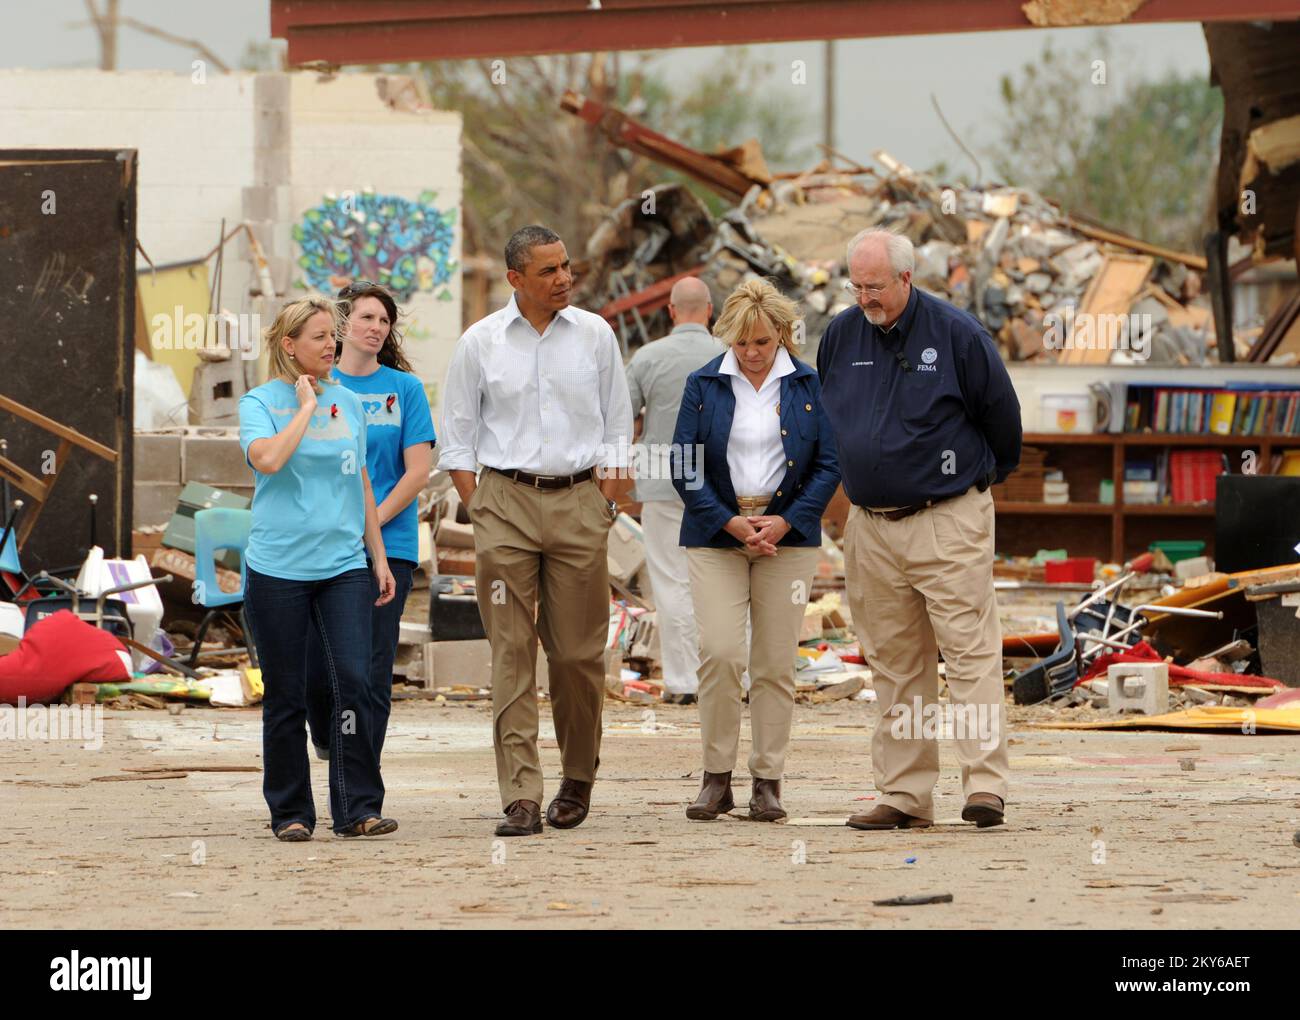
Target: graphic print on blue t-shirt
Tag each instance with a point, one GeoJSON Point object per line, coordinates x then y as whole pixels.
{"type": "Point", "coordinates": [397, 417]}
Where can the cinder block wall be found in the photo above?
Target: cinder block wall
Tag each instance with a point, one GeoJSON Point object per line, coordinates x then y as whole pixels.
{"type": "Point", "coordinates": [195, 142]}
{"type": "Point", "coordinates": [166, 460]}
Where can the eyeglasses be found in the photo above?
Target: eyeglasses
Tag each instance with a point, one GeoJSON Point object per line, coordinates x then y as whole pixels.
{"type": "Point", "coordinates": [857, 290]}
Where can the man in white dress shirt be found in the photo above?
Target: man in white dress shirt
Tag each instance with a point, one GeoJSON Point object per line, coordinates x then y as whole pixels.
{"type": "Point", "coordinates": [536, 394]}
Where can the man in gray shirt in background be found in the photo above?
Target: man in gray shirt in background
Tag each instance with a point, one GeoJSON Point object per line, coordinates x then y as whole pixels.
{"type": "Point", "coordinates": [656, 376]}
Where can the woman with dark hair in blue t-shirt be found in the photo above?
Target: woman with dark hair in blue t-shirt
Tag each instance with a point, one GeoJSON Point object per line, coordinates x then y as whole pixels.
{"type": "Point", "coordinates": [399, 457]}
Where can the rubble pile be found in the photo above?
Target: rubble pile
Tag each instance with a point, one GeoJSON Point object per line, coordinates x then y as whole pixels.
{"type": "Point", "coordinates": [1008, 255]}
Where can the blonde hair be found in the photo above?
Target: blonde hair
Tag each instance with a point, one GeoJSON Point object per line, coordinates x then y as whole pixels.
{"type": "Point", "coordinates": [289, 322]}
{"type": "Point", "coordinates": [752, 300]}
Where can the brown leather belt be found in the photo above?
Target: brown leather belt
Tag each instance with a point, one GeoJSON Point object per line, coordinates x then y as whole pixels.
{"type": "Point", "coordinates": [547, 481]}
{"type": "Point", "coordinates": [906, 511]}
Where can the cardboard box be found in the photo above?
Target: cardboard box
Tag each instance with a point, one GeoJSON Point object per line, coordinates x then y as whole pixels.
{"type": "Point", "coordinates": [626, 549]}
{"type": "Point", "coordinates": [454, 536]}
{"type": "Point", "coordinates": [181, 566]}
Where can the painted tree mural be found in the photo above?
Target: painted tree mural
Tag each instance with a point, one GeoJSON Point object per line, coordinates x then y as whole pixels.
{"type": "Point", "coordinates": [402, 244]}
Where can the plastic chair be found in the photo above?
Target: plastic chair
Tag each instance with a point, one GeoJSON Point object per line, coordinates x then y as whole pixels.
{"type": "Point", "coordinates": [1057, 674]}
{"type": "Point", "coordinates": [215, 529]}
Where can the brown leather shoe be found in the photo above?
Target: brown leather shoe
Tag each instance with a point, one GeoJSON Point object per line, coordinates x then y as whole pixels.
{"type": "Point", "coordinates": [570, 805]}
{"type": "Point", "coordinates": [984, 809]}
{"type": "Point", "coordinates": [765, 801]}
{"type": "Point", "coordinates": [714, 799]}
{"type": "Point", "coordinates": [523, 818]}
{"type": "Point", "coordinates": [882, 816]}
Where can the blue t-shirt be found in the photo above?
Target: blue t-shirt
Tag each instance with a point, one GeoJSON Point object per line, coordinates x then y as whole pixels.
{"type": "Point", "coordinates": [397, 416]}
{"type": "Point", "coordinates": [309, 517]}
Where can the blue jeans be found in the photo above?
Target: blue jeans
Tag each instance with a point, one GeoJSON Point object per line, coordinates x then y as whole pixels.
{"type": "Point", "coordinates": [385, 624]}
{"type": "Point", "coordinates": [285, 617]}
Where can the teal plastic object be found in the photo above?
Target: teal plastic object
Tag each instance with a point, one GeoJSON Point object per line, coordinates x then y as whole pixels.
{"type": "Point", "coordinates": [9, 553]}
{"type": "Point", "coordinates": [215, 529]}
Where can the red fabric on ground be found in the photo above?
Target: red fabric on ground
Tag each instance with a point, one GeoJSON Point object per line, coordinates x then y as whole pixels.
{"type": "Point", "coordinates": [1178, 675]}
{"type": "Point", "coordinates": [60, 651]}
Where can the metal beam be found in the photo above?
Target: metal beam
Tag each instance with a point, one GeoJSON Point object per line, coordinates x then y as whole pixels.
{"type": "Point", "coordinates": [355, 32]}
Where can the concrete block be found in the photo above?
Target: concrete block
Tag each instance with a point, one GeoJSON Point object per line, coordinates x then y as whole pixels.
{"type": "Point", "coordinates": [1196, 566]}
{"type": "Point", "coordinates": [153, 502]}
{"type": "Point", "coordinates": [447, 663]}
{"type": "Point", "coordinates": [157, 457]}
{"type": "Point", "coordinates": [1138, 687]}
{"type": "Point", "coordinates": [216, 461]}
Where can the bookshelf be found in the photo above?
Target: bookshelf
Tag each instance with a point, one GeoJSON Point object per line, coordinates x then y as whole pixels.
{"type": "Point", "coordinates": [1087, 527]}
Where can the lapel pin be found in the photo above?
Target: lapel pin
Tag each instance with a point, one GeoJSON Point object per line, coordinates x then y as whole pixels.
{"type": "Point", "coordinates": [392, 397]}
{"type": "Point", "coordinates": [334, 410]}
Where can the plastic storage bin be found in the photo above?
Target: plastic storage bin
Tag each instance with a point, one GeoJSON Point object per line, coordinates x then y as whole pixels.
{"type": "Point", "coordinates": [1176, 550]}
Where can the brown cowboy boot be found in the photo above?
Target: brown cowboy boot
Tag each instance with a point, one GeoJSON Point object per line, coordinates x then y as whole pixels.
{"type": "Point", "coordinates": [714, 799]}
{"type": "Point", "coordinates": [765, 801]}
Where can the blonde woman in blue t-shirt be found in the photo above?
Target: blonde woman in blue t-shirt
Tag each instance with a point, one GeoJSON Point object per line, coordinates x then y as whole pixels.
{"type": "Point", "coordinates": [313, 521]}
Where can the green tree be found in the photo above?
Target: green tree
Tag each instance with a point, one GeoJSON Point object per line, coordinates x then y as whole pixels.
{"type": "Point", "coordinates": [1140, 160]}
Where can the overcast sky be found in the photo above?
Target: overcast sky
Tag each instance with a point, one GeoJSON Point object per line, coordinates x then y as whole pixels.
{"type": "Point", "coordinates": [883, 86]}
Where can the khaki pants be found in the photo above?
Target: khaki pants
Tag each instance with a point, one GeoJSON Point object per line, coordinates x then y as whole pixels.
{"type": "Point", "coordinates": [541, 572]}
{"type": "Point", "coordinates": [729, 586]}
{"type": "Point", "coordinates": [670, 584]}
{"type": "Point", "coordinates": [918, 587]}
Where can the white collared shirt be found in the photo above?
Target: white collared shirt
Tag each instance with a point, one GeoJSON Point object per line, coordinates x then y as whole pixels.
{"type": "Point", "coordinates": [553, 404]}
{"type": "Point", "coordinates": [755, 453]}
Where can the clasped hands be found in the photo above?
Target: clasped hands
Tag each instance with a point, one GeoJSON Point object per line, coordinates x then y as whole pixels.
{"type": "Point", "coordinates": [761, 533]}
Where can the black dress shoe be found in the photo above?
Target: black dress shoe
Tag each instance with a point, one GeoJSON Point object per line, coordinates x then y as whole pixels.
{"type": "Point", "coordinates": [765, 801]}
{"type": "Point", "coordinates": [714, 799]}
{"type": "Point", "coordinates": [680, 699]}
{"type": "Point", "coordinates": [523, 818]}
{"type": "Point", "coordinates": [570, 805]}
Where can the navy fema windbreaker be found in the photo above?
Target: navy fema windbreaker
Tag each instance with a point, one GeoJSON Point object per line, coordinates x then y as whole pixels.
{"type": "Point", "coordinates": [950, 421]}
{"type": "Point", "coordinates": [704, 424]}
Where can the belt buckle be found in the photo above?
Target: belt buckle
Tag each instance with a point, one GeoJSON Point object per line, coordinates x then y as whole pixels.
{"type": "Point", "coordinates": [538, 479]}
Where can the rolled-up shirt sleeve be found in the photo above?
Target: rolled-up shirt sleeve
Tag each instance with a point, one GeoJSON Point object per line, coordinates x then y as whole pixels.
{"type": "Point", "coordinates": [615, 402]}
{"type": "Point", "coordinates": [461, 398]}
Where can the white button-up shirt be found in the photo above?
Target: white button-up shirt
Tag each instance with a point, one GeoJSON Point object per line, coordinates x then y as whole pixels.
{"type": "Point", "coordinates": [553, 404]}
{"type": "Point", "coordinates": [755, 453]}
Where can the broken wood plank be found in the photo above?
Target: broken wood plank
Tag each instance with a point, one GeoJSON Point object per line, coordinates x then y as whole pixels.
{"type": "Point", "coordinates": [1110, 293]}
{"type": "Point", "coordinates": [147, 775]}
{"type": "Point", "coordinates": [159, 769]}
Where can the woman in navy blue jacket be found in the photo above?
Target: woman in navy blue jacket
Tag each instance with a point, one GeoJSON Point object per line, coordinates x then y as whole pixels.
{"type": "Point", "coordinates": [754, 462]}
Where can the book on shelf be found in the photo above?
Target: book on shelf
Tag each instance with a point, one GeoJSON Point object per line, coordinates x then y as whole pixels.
{"type": "Point", "coordinates": [1239, 410]}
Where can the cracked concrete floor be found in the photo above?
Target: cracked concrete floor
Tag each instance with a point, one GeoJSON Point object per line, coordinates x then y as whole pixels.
{"type": "Point", "coordinates": [1101, 827]}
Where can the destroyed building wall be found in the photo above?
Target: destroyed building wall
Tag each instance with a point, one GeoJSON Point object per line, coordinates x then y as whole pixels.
{"type": "Point", "coordinates": [340, 177]}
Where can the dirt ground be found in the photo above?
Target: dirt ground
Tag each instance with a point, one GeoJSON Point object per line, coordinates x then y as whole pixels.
{"type": "Point", "coordinates": [1103, 829]}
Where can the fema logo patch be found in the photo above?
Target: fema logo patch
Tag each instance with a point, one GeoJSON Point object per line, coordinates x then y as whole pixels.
{"type": "Point", "coordinates": [929, 355]}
